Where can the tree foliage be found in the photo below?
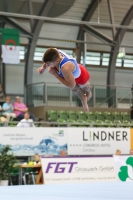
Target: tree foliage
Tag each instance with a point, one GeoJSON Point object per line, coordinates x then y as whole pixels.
{"type": "Point", "coordinates": [7, 161]}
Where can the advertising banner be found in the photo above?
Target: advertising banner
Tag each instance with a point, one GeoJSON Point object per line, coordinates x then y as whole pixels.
{"type": "Point", "coordinates": [77, 141]}
{"type": "Point", "coordinates": [131, 138]}
{"type": "Point", "coordinates": [78, 169]}
{"type": "Point", "coordinates": [98, 141]}
{"type": "Point", "coordinates": [29, 141]}
{"type": "Point", "coordinates": [124, 168]}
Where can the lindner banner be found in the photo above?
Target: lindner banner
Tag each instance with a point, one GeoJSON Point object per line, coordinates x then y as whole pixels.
{"type": "Point", "coordinates": [76, 141]}
{"type": "Point", "coordinates": [29, 141]}
{"type": "Point", "coordinates": [98, 141]}
{"type": "Point", "coordinates": [78, 169]}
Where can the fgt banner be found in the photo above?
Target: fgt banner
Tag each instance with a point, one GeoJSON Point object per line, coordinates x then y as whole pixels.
{"type": "Point", "coordinates": [78, 169]}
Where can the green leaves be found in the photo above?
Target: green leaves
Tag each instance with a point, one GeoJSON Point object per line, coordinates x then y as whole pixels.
{"type": "Point", "coordinates": [7, 161]}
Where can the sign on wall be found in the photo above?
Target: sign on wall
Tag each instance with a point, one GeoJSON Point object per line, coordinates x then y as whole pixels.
{"type": "Point", "coordinates": [131, 138]}
{"type": "Point", "coordinates": [124, 168]}
{"type": "Point", "coordinates": [77, 141]}
{"type": "Point", "coordinates": [78, 169]}
{"type": "Point", "coordinates": [29, 141]}
{"type": "Point", "coordinates": [98, 141]}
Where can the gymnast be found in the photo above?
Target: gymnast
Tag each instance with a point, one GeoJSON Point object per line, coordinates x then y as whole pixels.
{"type": "Point", "coordinates": [66, 69]}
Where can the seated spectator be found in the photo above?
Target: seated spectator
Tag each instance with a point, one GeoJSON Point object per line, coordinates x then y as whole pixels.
{"type": "Point", "coordinates": [131, 152]}
{"type": "Point", "coordinates": [2, 95]}
{"type": "Point", "coordinates": [36, 158]}
{"type": "Point", "coordinates": [7, 109]}
{"type": "Point", "coordinates": [118, 152]}
{"type": "Point", "coordinates": [26, 122]}
{"type": "Point", "coordinates": [63, 153]}
{"type": "Point", "coordinates": [2, 119]}
{"type": "Point", "coordinates": [37, 161]}
{"type": "Point", "coordinates": [20, 108]}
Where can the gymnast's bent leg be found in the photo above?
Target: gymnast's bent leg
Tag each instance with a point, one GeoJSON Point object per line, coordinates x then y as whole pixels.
{"type": "Point", "coordinates": [79, 92]}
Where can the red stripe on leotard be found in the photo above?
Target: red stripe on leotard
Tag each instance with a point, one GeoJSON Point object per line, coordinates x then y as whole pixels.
{"type": "Point", "coordinates": [84, 76]}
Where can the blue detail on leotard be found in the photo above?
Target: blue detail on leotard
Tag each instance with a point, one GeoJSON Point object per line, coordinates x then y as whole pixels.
{"type": "Point", "coordinates": [76, 73]}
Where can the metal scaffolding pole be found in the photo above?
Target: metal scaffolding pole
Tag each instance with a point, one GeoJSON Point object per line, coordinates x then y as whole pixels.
{"type": "Point", "coordinates": [68, 21]}
{"type": "Point", "coordinates": [84, 50]}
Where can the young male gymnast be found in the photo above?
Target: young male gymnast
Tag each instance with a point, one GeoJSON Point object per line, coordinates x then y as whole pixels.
{"type": "Point", "coordinates": [66, 69]}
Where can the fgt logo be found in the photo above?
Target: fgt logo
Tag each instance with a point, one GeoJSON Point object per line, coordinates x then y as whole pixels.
{"type": "Point", "coordinates": [60, 167]}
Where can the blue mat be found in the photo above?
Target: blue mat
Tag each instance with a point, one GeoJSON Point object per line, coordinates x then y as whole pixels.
{"type": "Point", "coordinates": [87, 191]}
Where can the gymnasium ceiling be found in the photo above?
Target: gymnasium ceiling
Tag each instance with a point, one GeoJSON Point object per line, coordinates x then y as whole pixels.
{"type": "Point", "coordinates": [107, 24]}
{"type": "Point", "coordinates": [57, 33]}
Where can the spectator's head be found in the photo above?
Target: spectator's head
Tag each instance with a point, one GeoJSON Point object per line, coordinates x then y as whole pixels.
{"type": "Point", "coordinates": [8, 99]}
{"type": "Point", "coordinates": [63, 153]}
{"type": "Point", "coordinates": [118, 152]}
{"type": "Point", "coordinates": [26, 115]}
{"type": "Point", "coordinates": [18, 100]}
{"type": "Point", "coordinates": [36, 157]}
{"type": "Point", "coordinates": [131, 152]}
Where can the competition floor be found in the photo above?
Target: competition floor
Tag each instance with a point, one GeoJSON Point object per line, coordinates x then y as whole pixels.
{"type": "Point", "coordinates": [87, 191]}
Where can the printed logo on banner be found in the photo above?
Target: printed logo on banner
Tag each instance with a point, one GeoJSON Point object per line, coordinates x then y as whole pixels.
{"type": "Point", "coordinates": [60, 167]}
{"type": "Point", "coordinates": [48, 141]}
{"type": "Point", "coordinates": [78, 169]}
{"type": "Point", "coordinates": [61, 132]}
{"type": "Point", "coordinates": [72, 167]}
{"type": "Point", "coordinates": [95, 140]}
{"type": "Point", "coordinates": [126, 171]}
{"type": "Point", "coordinates": [104, 135]}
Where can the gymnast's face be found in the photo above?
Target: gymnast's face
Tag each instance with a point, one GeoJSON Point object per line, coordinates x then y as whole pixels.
{"type": "Point", "coordinates": [52, 64]}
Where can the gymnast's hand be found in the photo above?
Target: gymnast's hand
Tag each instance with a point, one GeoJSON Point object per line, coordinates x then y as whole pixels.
{"type": "Point", "coordinates": [41, 69]}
